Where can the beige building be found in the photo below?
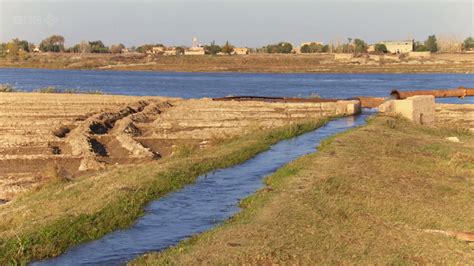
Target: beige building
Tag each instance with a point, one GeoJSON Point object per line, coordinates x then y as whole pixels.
{"type": "Point", "coordinates": [157, 50]}
{"type": "Point", "coordinates": [241, 51]}
{"type": "Point", "coordinates": [195, 51]}
{"type": "Point", "coordinates": [170, 51]}
{"type": "Point", "coordinates": [398, 47]}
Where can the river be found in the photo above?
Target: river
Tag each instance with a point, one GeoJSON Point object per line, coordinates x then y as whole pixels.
{"type": "Point", "coordinates": [197, 85]}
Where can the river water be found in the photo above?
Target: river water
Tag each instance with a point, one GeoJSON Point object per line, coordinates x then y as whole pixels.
{"type": "Point", "coordinates": [198, 207]}
{"type": "Point", "coordinates": [197, 85]}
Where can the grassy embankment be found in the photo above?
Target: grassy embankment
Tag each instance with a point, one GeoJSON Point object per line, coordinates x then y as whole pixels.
{"type": "Point", "coordinates": [254, 63]}
{"type": "Point", "coordinates": [64, 213]}
{"type": "Point", "coordinates": [366, 198]}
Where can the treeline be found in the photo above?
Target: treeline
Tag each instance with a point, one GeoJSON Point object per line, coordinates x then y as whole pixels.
{"type": "Point", "coordinates": [17, 48]}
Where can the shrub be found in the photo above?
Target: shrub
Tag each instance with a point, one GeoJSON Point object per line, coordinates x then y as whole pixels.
{"type": "Point", "coordinates": [381, 48]}
{"type": "Point", "coordinates": [7, 88]}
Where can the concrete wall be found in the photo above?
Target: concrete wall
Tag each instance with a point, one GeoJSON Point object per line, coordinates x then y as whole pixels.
{"type": "Point", "coordinates": [419, 109]}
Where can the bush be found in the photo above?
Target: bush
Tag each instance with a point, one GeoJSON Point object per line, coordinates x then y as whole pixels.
{"type": "Point", "coordinates": [52, 89]}
{"type": "Point", "coordinates": [282, 47]}
{"type": "Point", "coordinates": [381, 48]}
{"type": "Point", "coordinates": [312, 48]}
{"type": "Point", "coordinates": [7, 88]}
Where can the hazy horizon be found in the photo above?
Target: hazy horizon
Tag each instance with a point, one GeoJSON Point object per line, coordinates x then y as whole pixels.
{"type": "Point", "coordinates": [243, 23]}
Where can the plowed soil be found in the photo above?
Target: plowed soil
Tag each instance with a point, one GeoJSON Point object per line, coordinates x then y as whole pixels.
{"type": "Point", "coordinates": [48, 136]}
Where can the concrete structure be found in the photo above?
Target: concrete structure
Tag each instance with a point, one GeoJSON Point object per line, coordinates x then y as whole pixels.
{"type": "Point", "coordinates": [398, 47]}
{"type": "Point", "coordinates": [420, 55]}
{"type": "Point", "coordinates": [419, 109]}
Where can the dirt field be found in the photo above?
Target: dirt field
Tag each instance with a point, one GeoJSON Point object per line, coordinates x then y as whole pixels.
{"type": "Point", "coordinates": [264, 63]}
{"type": "Point", "coordinates": [50, 136]}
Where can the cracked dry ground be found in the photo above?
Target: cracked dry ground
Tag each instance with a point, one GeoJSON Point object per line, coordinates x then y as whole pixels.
{"type": "Point", "coordinates": [47, 136]}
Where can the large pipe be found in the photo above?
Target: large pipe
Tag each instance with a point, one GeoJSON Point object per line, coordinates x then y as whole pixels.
{"type": "Point", "coordinates": [274, 99]}
{"type": "Point", "coordinates": [370, 102]}
{"type": "Point", "coordinates": [460, 92]}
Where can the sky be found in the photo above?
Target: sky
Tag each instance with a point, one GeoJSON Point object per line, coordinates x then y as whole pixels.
{"type": "Point", "coordinates": [243, 23]}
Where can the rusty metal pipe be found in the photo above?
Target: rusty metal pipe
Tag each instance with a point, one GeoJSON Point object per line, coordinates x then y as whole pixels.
{"type": "Point", "coordinates": [274, 99]}
{"type": "Point", "coordinates": [460, 92]}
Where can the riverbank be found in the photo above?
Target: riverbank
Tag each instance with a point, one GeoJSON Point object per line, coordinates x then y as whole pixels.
{"type": "Point", "coordinates": [254, 63]}
{"type": "Point", "coordinates": [369, 195]}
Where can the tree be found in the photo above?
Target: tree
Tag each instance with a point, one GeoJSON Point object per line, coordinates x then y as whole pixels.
{"type": "Point", "coordinates": [212, 49]}
{"type": "Point", "coordinates": [431, 44]}
{"type": "Point", "coordinates": [381, 48]}
{"type": "Point", "coordinates": [227, 48]}
{"type": "Point", "coordinates": [282, 47]}
{"type": "Point", "coordinates": [469, 43]}
{"type": "Point", "coordinates": [12, 50]}
{"type": "Point", "coordinates": [180, 50]}
{"type": "Point", "coordinates": [117, 49]}
{"type": "Point", "coordinates": [419, 47]}
{"type": "Point", "coordinates": [312, 48]}
{"type": "Point", "coordinates": [147, 47]}
{"type": "Point", "coordinates": [3, 49]}
{"type": "Point", "coordinates": [98, 47]}
{"type": "Point", "coordinates": [360, 46]}
{"type": "Point", "coordinates": [54, 43]}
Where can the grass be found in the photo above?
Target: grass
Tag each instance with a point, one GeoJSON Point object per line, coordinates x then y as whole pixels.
{"type": "Point", "coordinates": [52, 89]}
{"type": "Point", "coordinates": [64, 213]}
{"type": "Point", "coordinates": [364, 198]}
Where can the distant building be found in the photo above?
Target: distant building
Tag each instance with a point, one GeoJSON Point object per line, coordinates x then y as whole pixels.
{"type": "Point", "coordinates": [196, 48]}
{"type": "Point", "coordinates": [36, 49]}
{"type": "Point", "coordinates": [398, 47]}
{"type": "Point", "coordinates": [195, 51]}
{"type": "Point", "coordinates": [241, 51]}
{"type": "Point", "coordinates": [158, 50]}
{"type": "Point", "coordinates": [170, 51]}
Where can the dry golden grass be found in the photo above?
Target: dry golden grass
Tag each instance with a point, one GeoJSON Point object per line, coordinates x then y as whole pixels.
{"type": "Point", "coordinates": [364, 198]}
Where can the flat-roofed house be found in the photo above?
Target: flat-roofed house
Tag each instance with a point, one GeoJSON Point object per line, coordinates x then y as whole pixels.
{"type": "Point", "coordinates": [195, 51]}
{"type": "Point", "coordinates": [398, 47]}
{"type": "Point", "coordinates": [241, 51]}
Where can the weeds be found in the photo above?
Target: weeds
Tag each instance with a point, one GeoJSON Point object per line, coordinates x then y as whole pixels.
{"type": "Point", "coordinates": [8, 88]}
{"type": "Point", "coordinates": [52, 89]}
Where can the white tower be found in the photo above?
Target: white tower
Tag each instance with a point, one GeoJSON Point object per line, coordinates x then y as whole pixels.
{"type": "Point", "coordinates": [195, 43]}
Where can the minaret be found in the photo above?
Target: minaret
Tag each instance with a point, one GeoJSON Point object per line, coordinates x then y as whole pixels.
{"type": "Point", "coordinates": [195, 43]}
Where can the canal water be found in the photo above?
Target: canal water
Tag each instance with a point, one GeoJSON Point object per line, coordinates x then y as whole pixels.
{"type": "Point", "coordinates": [198, 207]}
{"type": "Point", "coordinates": [198, 85]}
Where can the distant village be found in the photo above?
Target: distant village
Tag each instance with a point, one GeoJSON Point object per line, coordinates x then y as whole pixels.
{"type": "Point", "coordinates": [343, 50]}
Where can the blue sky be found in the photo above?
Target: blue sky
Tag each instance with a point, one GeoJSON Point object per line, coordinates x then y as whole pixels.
{"type": "Point", "coordinates": [243, 23]}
